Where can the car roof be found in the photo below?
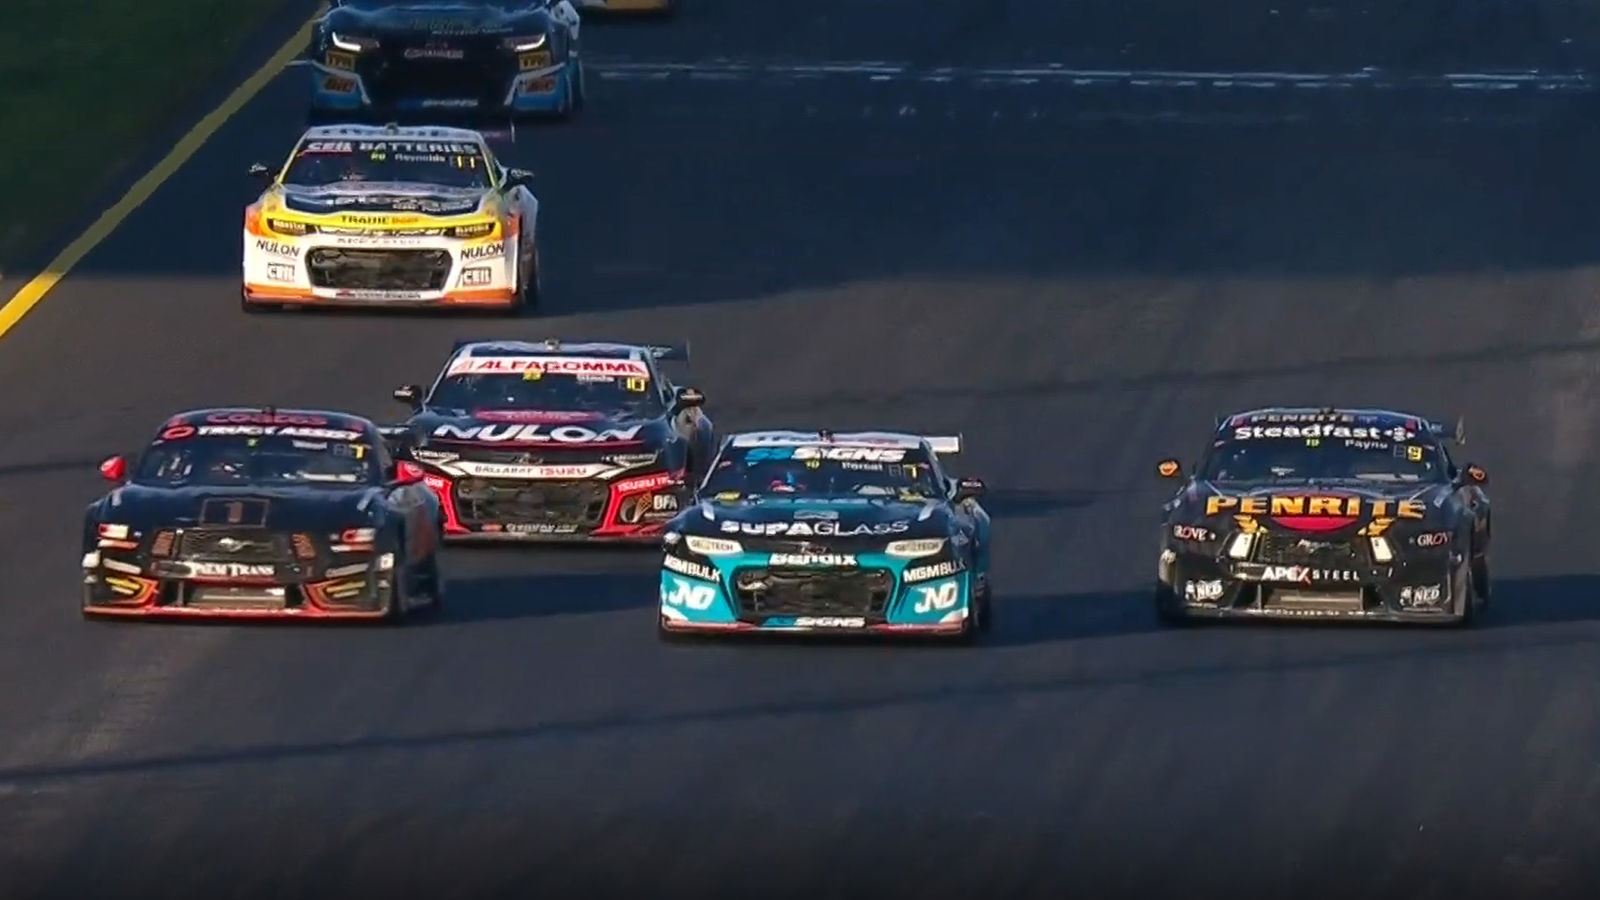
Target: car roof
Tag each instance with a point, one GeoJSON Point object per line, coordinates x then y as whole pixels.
{"type": "Point", "coordinates": [328, 418]}
{"type": "Point", "coordinates": [396, 132]}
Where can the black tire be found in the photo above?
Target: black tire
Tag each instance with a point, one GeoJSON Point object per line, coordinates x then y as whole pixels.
{"type": "Point", "coordinates": [1469, 605]}
{"type": "Point", "coordinates": [434, 582]}
{"type": "Point", "coordinates": [984, 606]}
{"type": "Point", "coordinates": [532, 288]}
{"type": "Point", "coordinates": [580, 87]}
{"type": "Point", "coordinates": [397, 613]}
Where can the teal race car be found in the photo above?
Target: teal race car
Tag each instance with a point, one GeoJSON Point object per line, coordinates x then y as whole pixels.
{"type": "Point", "coordinates": [817, 532]}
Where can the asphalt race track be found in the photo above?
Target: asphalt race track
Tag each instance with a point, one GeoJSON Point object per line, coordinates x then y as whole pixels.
{"type": "Point", "coordinates": [870, 213]}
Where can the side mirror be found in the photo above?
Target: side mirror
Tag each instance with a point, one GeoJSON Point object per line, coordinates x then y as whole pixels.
{"type": "Point", "coordinates": [521, 177]}
{"type": "Point", "coordinates": [406, 473]}
{"type": "Point", "coordinates": [1169, 468]}
{"type": "Point", "coordinates": [409, 394]}
{"type": "Point", "coordinates": [259, 171]}
{"type": "Point", "coordinates": [690, 398]}
{"type": "Point", "coordinates": [115, 468]}
{"type": "Point", "coordinates": [1473, 473]}
{"type": "Point", "coordinates": [968, 489]}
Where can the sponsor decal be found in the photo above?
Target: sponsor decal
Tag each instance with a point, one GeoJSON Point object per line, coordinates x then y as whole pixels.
{"type": "Point", "coordinates": [1307, 575]}
{"type": "Point", "coordinates": [537, 528]}
{"type": "Point", "coordinates": [688, 594]}
{"type": "Point", "coordinates": [639, 507]}
{"type": "Point", "coordinates": [547, 365]}
{"type": "Point", "coordinates": [276, 248]}
{"type": "Point", "coordinates": [692, 569]}
{"type": "Point", "coordinates": [255, 418]}
{"type": "Point", "coordinates": [458, 103]}
{"type": "Point", "coordinates": [498, 248]}
{"type": "Point", "coordinates": [229, 570]}
{"type": "Point", "coordinates": [1421, 595]}
{"type": "Point", "coordinates": [510, 470]}
{"type": "Point", "coordinates": [830, 622]}
{"type": "Point", "coordinates": [1314, 512]}
{"type": "Point", "coordinates": [477, 276]}
{"type": "Point", "coordinates": [837, 560]}
{"type": "Point", "coordinates": [546, 417]}
{"type": "Point", "coordinates": [435, 53]}
{"type": "Point", "coordinates": [833, 454]}
{"type": "Point", "coordinates": [929, 572]}
{"type": "Point", "coordinates": [378, 295]}
{"type": "Point", "coordinates": [647, 483]}
{"type": "Point", "coordinates": [1202, 591]}
{"type": "Point", "coordinates": [292, 431]}
{"type": "Point", "coordinates": [1192, 533]}
{"type": "Point", "coordinates": [535, 434]}
{"type": "Point", "coordinates": [1324, 430]}
{"type": "Point", "coordinates": [1433, 539]}
{"type": "Point", "coordinates": [280, 272]}
{"type": "Point", "coordinates": [379, 239]}
{"type": "Point", "coordinates": [827, 529]}
{"type": "Point", "coordinates": [817, 514]}
{"type": "Point", "coordinates": [937, 598]}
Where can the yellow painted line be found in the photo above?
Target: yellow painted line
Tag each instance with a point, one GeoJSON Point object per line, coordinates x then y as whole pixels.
{"type": "Point", "coordinates": [29, 295]}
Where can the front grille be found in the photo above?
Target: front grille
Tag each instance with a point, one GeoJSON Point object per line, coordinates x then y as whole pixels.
{"type": "Point", "coordinates": [495, 500]}
{"type": "Point", "coordinates": [378, 270]}
{"type": "Point", "coordinates": [1285, 549]}
{"type": "Point", "coordinates": [482, 74]}
{"type": "Point", "coordinates": [238, 545]}
{"type": "Point", "coordinates": [760, 593]}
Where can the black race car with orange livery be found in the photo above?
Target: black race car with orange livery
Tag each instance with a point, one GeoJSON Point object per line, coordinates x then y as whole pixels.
{"type": "Point", "coordinates": [262, 513]}
{"type": "Point", "coordinates": [557, 441]}
{"type": "Point", "coordinates": [1354, 514]}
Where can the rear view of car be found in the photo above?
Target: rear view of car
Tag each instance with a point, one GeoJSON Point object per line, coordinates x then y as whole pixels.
{"type": "Point", "coordinates": [814, 532]}
{"type": "Point", "coordinates": [261, 513]}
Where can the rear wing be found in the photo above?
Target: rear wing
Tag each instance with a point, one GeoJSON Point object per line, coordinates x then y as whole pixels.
{"type": "Point", "coordinates": [669, 352]}
{"type": "Point", "coordinates": [664, 352]}
{"type": "Point", "coordinates": [944, 445]}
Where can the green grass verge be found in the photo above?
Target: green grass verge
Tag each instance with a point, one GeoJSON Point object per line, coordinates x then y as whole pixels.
{"type": "Point", "coordinates": [85, 85]}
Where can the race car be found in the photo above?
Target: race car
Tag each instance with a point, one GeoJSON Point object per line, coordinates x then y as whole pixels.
{"type": "Point", "coordinates": [371, 216]}
{"type": "Point", "coordinates": [473, 56]}
{"type": "Point", "coordinates": [1354, 514]}
{"type": "Point", "coordinates": [262, 513]}
{"type": "Point", "coordinates": [816, 532]}
{"type": "Point", "coordinates": [629, 7]}
{"type": "Point", "coordinates": [556, 441]}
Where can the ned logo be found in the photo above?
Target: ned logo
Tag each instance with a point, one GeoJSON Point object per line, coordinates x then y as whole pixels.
{"type": "Point", "coordinates": [937, 598]}
{"type": "Point", "coordinates": [688, 595]}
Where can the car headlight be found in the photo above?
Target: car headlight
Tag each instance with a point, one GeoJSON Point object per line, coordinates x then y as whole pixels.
{"type": "Point", "coordinates": [709, 546]}
{"type": "Point", "coordinates": [475, 230]}
{"type": "Point", "coordinates": [356, 536]}
{"type": "Point", "coordinates": [1241, 545]}
{"type": "Point", "coordinates": [1381, 550]}
{"type": "Point", "coordinates": [112, 531]}
{"type": "Point", "coordinates": [282, 226]}
{"type": "Point", "coordinates": [352, 43]}
{"type": "Point", "coordinates": [524, 44]}
{"type": "Point", "coordinates": [915, 547]}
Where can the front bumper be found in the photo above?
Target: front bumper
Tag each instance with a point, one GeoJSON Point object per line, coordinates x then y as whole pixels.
{"type": "Point", "coordinates": [632, 509]}
{"type": "Point", "coordinates": [746, 593]}
{"type": "Point", "coordinates": [529, 82]}
{"type": "Point", "coordinates": [1426, 589]}
{"type": "Point", "coordinates": [124, 588]}
{"type": "Point", "coordinates": [375, 271]}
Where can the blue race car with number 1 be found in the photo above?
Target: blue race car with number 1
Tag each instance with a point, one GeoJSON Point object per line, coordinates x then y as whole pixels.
{"type": "Point", "coordinates": [833, 533]}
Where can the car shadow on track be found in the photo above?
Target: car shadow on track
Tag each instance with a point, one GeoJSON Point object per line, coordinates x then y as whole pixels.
{"type": "Point", "coordinates": [498, 597]}
{"type": "Point", "coordinates": [1041, 618]}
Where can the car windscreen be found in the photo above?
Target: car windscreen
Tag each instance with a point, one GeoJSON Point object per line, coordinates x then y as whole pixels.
{"type": "Point", "coordinates": [1325, 458]}
{"type": "Point", "coordinates": [824, 470]}
{"type": "Point", "coordinates": [598, 385]}
{"type": "Point", "coordinates": [325, 163]}
{"type": "Point", "coordinates": [269, 457]}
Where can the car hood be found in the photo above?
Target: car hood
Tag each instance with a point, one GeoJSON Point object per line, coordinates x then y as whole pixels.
{"type": "Point", "coordinates": [845, 517]}
{"type": "Point", "coordinates": [531, 431]}
{"type": "Point", "coordinates": [372, 197]}
{"type": "Point", "coordinates": [442, 20]}
{"type": "Point", "coordinates": [1313, 507]}
{"type": "Point", "coordinates": [285, 509]}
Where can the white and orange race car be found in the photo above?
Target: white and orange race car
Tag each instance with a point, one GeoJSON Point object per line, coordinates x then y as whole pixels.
{"type": "Point", "coordinates": [376, 216]}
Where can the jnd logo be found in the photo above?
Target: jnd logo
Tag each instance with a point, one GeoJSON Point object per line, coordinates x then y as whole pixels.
{"type": "Point", "coordinates": [689, 595]}
{"type": "Point", "coordinates": [939, 597]}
